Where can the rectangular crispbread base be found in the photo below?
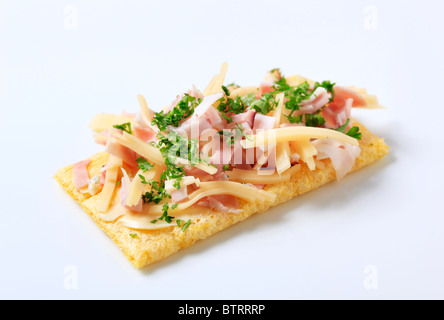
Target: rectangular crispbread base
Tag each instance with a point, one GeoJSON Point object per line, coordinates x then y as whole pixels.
{"type": "Point", "coordinates": [151, 246]}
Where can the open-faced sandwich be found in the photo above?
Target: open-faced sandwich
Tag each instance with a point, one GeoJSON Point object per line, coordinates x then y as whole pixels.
{"type": "Point", "coordinates": [213, 158]}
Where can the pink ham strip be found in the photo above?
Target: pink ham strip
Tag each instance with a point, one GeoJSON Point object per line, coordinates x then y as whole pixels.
{"type": "Point", "coordinates": [121, 152]}
{"type": "Point", "coordinates": [262, 122]}
{"type": "Point", "coordinates": [179, 195]}
{"type": "Point", "coordinates": [80, 173]}
{"type": "Point", "coordinates": [247, 116]}
{"type": "Point", "coordinates": [265, 87]}
{"type": "Point", "coordinates": [146, 134]}
{"type": "Point", "coordinates": [319, 99]}
{"type": "Point", "coordinates": [221, 203]}
{"type": "Point", "coordinates": [342, 156]}
{"type": "Point", "coordinates": [336, 115]}
{"type": "Point", "coordinates": [343, 93]}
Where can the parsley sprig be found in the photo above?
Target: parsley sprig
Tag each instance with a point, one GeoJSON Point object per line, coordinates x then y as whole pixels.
{"type": "Point", "coordinates": [144, 164]}
{"type": "Point", "coordinates": [184, 109]}
{"type": "Point", "coordinates": [229, 105]}
{"type": "Point", "coordinates": [124, 126]}
{"type": "Point", "coordinates": [353, 132]}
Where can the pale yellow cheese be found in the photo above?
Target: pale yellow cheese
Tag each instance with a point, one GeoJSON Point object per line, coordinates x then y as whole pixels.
{"type": "Point", "coordinates": [110, 184]}
{"type": "Point", "coordinates": [287, 134]}
{"type": "Point", "coordinates": [242, 191]}
{"type": "Point", "coordinates": [296, 80]}
{"type": "Point", "coordinates": [283, 157]}
{"type": "Point", "coordinates": [243, 91]}
{"type": "Point", "coordinates": [146, 150]}
{"type": "Point", "coordinates": [145, 112]}
{"type": "Point", "coordinates": [217, 81]}
{"type": "Point", "coordinates": [106, 121]}
{"type": "Point", "coordinates": [306, 151]}
{"type": "Point", "coordinates": [251, 176]}
{"type": "Point", "coordinates": [136, 188]}
{"type": "Point", "coordinates": [278, 111]}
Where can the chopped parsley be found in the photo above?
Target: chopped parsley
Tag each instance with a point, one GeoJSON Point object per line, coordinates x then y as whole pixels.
{"type": "Point", "coordinates": [143, 180]}
{"type": "Point", "coordinates": [327, 85]}
{"type": "Point", "coordinates": [181, 111]}
{"type": "Point", "coordinates": [353, 132]}
{"type": "Point", "coordinates": [266, 103]}
{"type": "Point", "coordinates": [165, 216]}
{"type": "Point", "coordinates": [182, 224]}
{"type": "Point", "coordinates": [186, 225]}
{"type": "Point", "coordinates": [143, 164]}
{"type": "Point", "coordinates": [229, 105]}
{"type": "Point", "coordinates": [133, 235]}
{"type": "Point", "coordinates": [314, 120]}
{"type": "Point", "coordinates": [124, 126]}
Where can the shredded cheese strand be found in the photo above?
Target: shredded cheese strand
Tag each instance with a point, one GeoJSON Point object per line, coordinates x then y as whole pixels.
{"type": "Point", "coordinates": [206, 189]}
{"type": "Point", "coordinates": [287, 134]}
{"type": "Point", "coordinates": [278, 111]}
{"type": "Point", "coordinates": [105, 121]}
{"type": "Point", "coordinates": [110, 184]}
{"type": "Point", "coordinates": [251, 176]}
{"type": "Point", "coordinates": [306, 151]}
{"type": "Point", "coordinates": [217, 81]}
{"type": "Point", "coordinates": [243, 91]}
{"type": "Point", "coordinates": [136, 188]}
{"type": "Point", "coordinates": [146, 113]}
{"type": "Point", "coordinates": [146, 150]}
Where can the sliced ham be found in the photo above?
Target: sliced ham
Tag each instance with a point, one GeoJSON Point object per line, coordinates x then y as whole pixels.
{"type": "Point", "coordinates": [221, 203]}
{"type": "Point", "coordinates": [193, 128]}
{"type": "Point", "coordinates": [265, 87]}
{"type": "Point", "coordinates": [206, 106]}
{"type": "Point", "coordinates": [205, 117]}
{"type": "Point", "coordinates": [342, 155]}
{"type": "Point", "coordinates": [194, 92]}
{"type": "Point", "coordinates": [338, 111]}
{"type": "Point", "coordinates": [80, 173]}
{"type": "Point", "coordinates": [179, 195]}
{"type": "Point", "coordinates": [173, 104]}
{"type": "Point", "coordinates": [203, 176]}
{"type": "Point", "coordinates": [263, 122]}
{"type": "Point", "coordinates": [247, 116]}
{"type": "Point", "coordinates": [273, 76]}
{"type": "Point", "coordinates": [144, 133]}
{"type": "Point", "coordinates": [343, 93]}
{"type": "Point", "coordinates": [336, 115]}
{"type": "Point", "coordinates": [116, 149]}
{"type": "Point", "coordinates": [221, 156]}
{"type": "Point", "coordinates": [318, 99]}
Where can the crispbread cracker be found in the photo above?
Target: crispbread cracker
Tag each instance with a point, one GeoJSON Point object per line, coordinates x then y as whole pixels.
{"type": "Point", "coordinates": [153, 245]}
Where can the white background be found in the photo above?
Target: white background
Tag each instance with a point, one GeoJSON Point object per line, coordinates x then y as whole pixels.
{"type": "Point", "coordinates": [387, 217]}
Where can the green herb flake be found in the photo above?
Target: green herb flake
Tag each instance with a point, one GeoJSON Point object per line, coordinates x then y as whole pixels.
{"type": "Point", "coordinates": [353, 132]}
{"type": "Point", "coordinates": [183, 109]}
{"type": "Point", "coordinates": [144, 164]}
{"type": "Point", "coordinates": [124, 126]}
{"type": "Point", "coordinates": [186, 225]}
